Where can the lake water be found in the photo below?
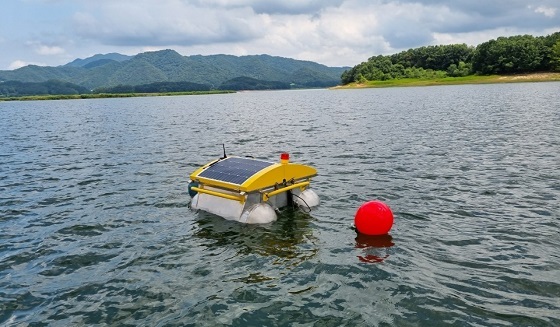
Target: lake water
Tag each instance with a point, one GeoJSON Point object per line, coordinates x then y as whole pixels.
{"type": "Point", "coordinates": [95, 225]}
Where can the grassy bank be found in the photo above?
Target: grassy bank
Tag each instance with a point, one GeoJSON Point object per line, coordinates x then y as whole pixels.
{"type": "Point", "coordinates": [105, 95]}
{"type": "Point", "coordinates": [471, 79]}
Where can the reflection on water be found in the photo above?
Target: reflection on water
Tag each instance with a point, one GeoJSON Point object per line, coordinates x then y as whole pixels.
{"type": "Point", "coordinates": [374, 247]}
{"type": "Point", "coordinates": [290, 238]}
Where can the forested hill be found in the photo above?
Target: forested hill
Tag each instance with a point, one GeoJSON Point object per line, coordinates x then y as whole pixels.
{"type": "Point", "coordinates": [99, 59]}
{"type": "Point", "coordinates": [104, 71]}
{"type": "Point", "coordinates": [504, 55]}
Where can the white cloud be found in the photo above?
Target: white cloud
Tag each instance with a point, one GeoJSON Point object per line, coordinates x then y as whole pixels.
{"type": "Point", "coordinates": [20, 63]}
{"type": "Point", "coordinates": [291, 7]}
{"type": "Point", "coordinates": [46, 50]}
{"type": "Point", "coordinates": [476, 38]}
{"type": "Point", "coordinates": [137, 23]}
{"type": "Point", "coordinates": [547, 11]}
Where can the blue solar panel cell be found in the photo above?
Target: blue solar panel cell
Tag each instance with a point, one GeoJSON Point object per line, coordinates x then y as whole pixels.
{"type": "Point", "coordinates": [234, 170]}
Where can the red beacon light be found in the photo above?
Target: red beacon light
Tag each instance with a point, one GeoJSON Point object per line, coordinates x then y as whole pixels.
{"type": "Point", "coordinates": [285, 158]}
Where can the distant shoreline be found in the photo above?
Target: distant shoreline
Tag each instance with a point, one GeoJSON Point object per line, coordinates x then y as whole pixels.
{"type": "Point", "coordinates": [105, 95]}
{"type": "Point", "coordinates": [405, 82]}
{"type": "Point", "coordinates": [471, 79]}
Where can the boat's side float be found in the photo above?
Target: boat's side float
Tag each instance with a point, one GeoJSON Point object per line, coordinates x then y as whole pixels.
{"type": "Point", "coordinates": [249, 190]}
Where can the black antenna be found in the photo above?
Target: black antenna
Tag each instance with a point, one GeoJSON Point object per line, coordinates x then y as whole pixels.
{"type": "Point", "coordinates": [224, 146]}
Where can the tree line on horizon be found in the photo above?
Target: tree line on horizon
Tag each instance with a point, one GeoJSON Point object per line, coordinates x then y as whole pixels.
{"type": "Point", "coordinates": [56, 87]}
{"type": "Point", "coordinates": [504, 55]}
{"type": "Point", "coordinates": [52, 87]}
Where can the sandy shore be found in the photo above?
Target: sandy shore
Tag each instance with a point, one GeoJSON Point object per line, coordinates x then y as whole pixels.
{"type": "Point", "coordinates": [471, 79]}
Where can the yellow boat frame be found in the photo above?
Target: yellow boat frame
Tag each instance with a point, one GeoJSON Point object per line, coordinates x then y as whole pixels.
{"type": "Point", "coordinates": [269, 181]}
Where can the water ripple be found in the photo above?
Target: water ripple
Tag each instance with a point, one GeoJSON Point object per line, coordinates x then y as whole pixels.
{"type": "Point", "coordinates": [96, 228]}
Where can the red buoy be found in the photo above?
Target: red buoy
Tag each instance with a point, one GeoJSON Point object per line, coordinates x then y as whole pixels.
{"type": "Point", "coordinates": [374, 218]}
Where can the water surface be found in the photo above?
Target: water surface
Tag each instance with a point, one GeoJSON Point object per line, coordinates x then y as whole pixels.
{"type": "Point", "coordinates": [96, 228]}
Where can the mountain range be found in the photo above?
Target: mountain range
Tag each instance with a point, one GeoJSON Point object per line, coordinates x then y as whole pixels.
{"type": "Point", "coordinates": [113, 69]}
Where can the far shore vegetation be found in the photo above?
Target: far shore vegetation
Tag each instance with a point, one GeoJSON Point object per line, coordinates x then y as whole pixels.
{"type": "Point", "coordinates": [470, 79]}
{"type": "Point", "coordinates": [521, 58]}
{"type": "Point", "coordinates": [106, 95]}
{"type": "Point", "coordinates": [404, 82]}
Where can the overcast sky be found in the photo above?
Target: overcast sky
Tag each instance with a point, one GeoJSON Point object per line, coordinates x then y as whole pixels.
{"type": "Point", "coordinates": [331, 32]}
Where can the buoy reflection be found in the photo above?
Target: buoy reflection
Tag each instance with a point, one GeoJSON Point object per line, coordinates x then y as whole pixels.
{"type": "Point", "coordinates": [374, 248]}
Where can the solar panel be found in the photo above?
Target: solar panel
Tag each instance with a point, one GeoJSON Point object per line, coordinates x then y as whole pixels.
{"type": "Point", "coordinates": [234, 170]}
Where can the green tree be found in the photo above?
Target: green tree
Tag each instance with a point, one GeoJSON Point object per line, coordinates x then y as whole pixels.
{"type": "Point", "coordinates": [548, 43]}
{"type": "Point", "coordinates": [462, 69]}
{"type": "Point", "coordinates": [397, 71]}
{"type": "Point", "coordinates": [516, 54]}
{"type": "Point", "coordinates": [437, 57]}
{"type": "Point", "coordinates": [555, 56]}
{"type": "Point", "coordinates": [361, 79]}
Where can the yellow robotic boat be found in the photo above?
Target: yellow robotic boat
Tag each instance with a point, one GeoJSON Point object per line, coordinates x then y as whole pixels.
{"type": "Point", "coordinates": [251, 190]}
